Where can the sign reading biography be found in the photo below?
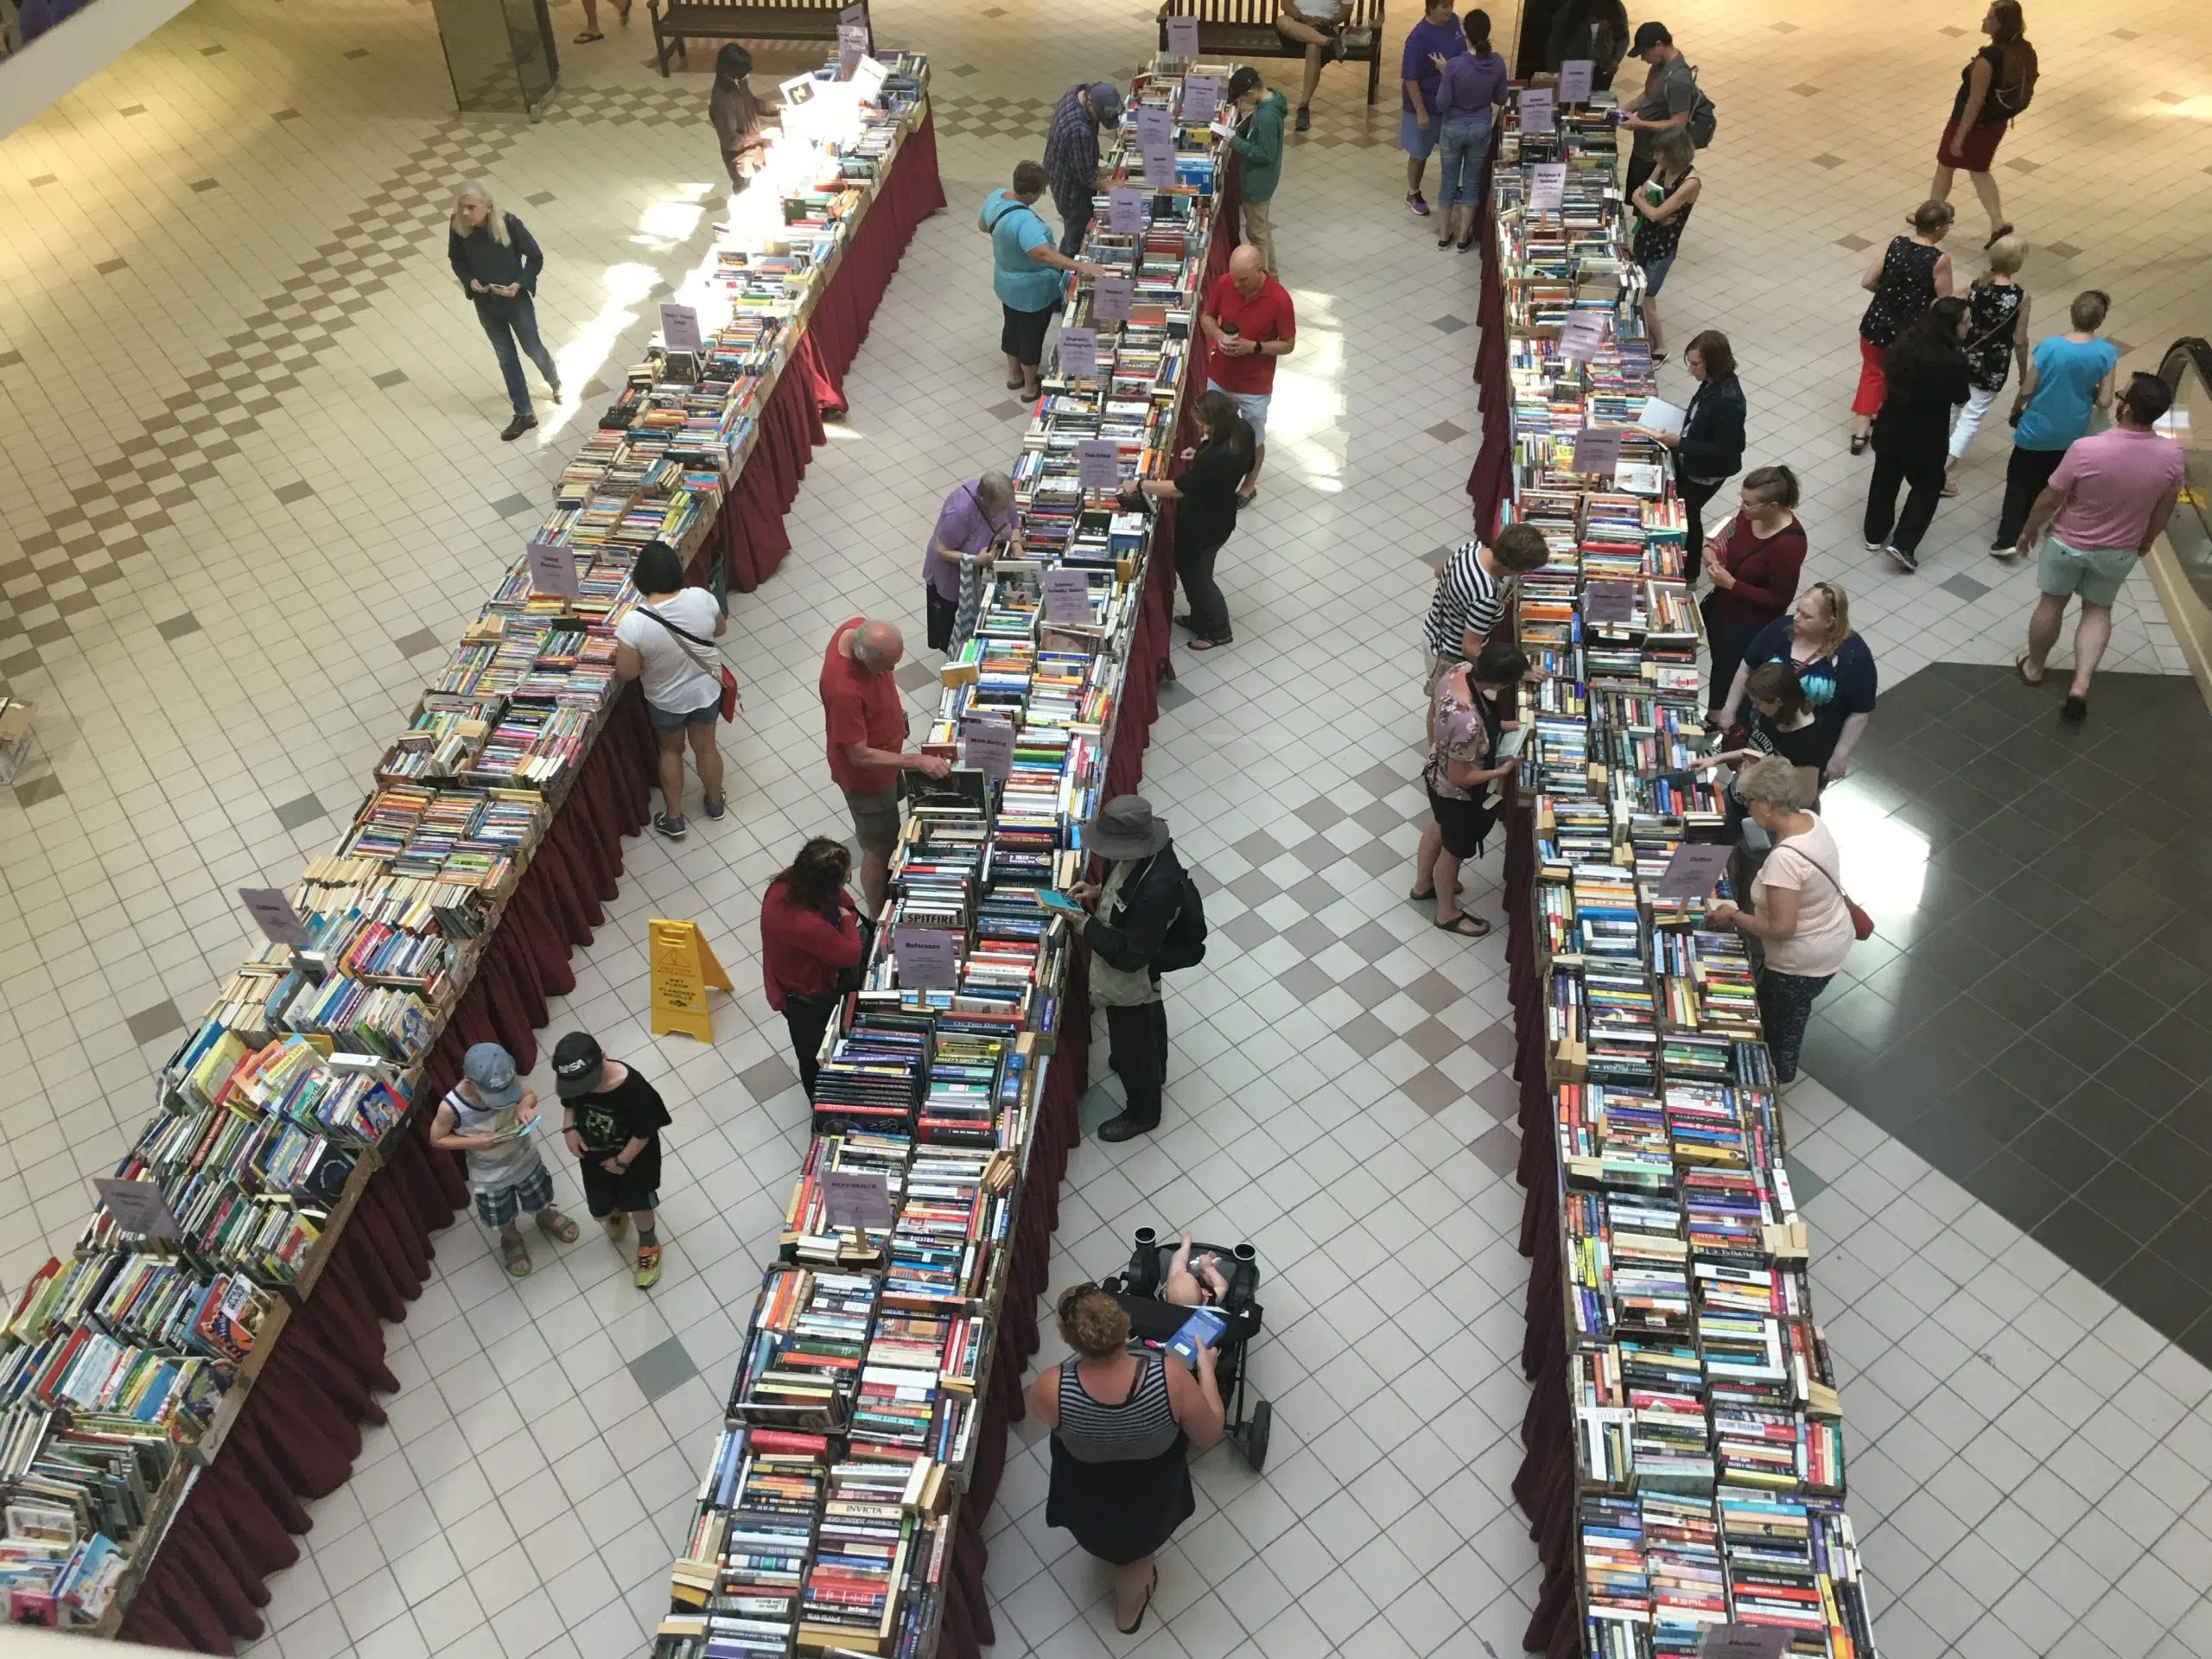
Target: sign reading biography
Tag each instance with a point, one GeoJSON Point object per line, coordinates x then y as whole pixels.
{"type": "Point", "coordinates": [1575, 75]}
{"type": "Point", "coordinates": [1097, 466]}
{"type": "Point", "coordinates": [1067, 596]}
{"type": "Point", "coordinates": [1536, 107]}
{"type": "Point", "coordinates": [1110, 298]}
{"type": "Point", "coordinates": [1125, 210]}
{"type": "Point", "coordinates": [928, 958]}
{"type": "Point", "coordinates": [1546, 186]}
{"type": "Point", "coordinates": [679, 328]}
{"type": "Point", "coordinates": [273, 914]}
{"type": "Point", "coordinates": [987, 746]}
{"type": "Point", "coordinates": [1079, 353]}
{"type": "Point", "coordinates": [1182, 37]}
{"type": "Point", "coordinates": [553, 568]}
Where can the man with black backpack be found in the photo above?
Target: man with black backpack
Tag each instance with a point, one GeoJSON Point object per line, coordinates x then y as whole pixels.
{"type": "Point", "coordinates": [1671, 99]}
{"type": "Point", "coordinates": [1149, 921]}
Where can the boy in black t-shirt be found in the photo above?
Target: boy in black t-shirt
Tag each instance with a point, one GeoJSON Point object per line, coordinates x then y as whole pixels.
{"type": "Point", "coordinates": [612, 1119]}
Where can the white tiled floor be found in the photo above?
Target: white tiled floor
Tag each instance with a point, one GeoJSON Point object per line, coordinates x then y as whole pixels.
{"type": "Point", "coordinates": [527, 1493]}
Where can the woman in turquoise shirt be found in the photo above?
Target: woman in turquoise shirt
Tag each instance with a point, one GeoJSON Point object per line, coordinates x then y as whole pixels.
{"type": "Point", "coordinates": [2065, 378]}
{"type": "Point", "coordinates": [1026, 272]}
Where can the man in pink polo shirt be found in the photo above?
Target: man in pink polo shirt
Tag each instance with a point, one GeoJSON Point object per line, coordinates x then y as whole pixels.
{"type": "Point", "coordinates": [2106, 503]}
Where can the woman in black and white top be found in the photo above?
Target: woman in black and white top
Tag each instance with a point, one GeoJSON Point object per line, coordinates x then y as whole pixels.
{"type": "Point", "coordinates": [1121, 1419]}
{"type": "Point", "coordinates": [1998, 306]}
{"type": "Point", "coordinates": [667, 641]}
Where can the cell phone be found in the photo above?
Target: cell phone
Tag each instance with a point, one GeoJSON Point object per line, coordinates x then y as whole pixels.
{"type": "Point", "coordinates": [1059, 904]}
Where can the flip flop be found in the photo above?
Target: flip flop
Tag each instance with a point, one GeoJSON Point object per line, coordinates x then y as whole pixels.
{"type": "Point", "coordinates": [1247, 500]}
{"type": "Point", "coordinates": [2020, 668]}
{"type": "Point", "coordinates": [2001, 231]}
{"type": "Point", "coordinates": [1481, 927]}
{"type": "Point", "coordinates": [1131, 1629]}
{"type": "Point", "coordinates": [1198, 643]}
{"type": "Point", "coordinates": [587, 38]}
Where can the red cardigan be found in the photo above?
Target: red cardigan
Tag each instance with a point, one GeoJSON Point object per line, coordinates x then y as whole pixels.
{"type": "Point", "coordinates": [799, 949]}
{"type": "Point", "coordinates": [1765, 571]}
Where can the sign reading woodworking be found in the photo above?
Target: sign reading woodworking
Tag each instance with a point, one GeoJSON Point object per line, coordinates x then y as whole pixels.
{"type": "Point", "coordinates": [682, 966]}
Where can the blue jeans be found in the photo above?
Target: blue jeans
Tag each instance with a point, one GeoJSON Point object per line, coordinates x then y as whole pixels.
{"type": "Point", "coordinates": [1464, 144]}
{"type": "Point", "coordinates": [509, 322]}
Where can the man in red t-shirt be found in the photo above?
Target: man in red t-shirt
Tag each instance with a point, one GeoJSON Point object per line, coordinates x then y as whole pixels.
{"type": "Point", "coordinates": [867, 733]}
{"type": "Point", "coordinates": [1249, 323]}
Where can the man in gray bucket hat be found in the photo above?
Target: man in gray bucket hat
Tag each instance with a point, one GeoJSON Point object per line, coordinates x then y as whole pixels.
{"type": "Point", "coordinates": [1138, 897]}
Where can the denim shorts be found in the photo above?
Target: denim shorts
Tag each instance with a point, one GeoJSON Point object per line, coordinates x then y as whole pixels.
{"type": "Point", "coordinates": [1414, 139]}
{"type": "Point", "coordinates": [1655, 275]}
{"type": "Point", "coordinates": [669, 720]}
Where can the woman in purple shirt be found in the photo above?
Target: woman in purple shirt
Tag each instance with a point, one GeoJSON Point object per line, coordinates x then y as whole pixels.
{"type": "Point", "coordinates": [975, 519]}
{"type": "Point", "coordinates": [1436, 35]}
{"type": "Point", "coordinates": [1469, 88]}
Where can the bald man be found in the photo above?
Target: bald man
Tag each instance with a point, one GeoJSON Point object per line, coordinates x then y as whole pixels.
{"type": "Point", "coordinates": [1249, 323]}
{"type": "Point", "coordinates": [867, 725]}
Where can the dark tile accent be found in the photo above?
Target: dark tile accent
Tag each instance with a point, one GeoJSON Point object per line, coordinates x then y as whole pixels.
{"type": "Point", "coordinates": [9, 359]}
{"type": "Point", "coordinates": [662, 1370]}
{"type": "Point", "coordinates": [765, 1079]}
{"type": "Point", "coordinates": [1830, 161]}
{"type": "Point", "coordinates": [390, 377]}
{"type": "Point", "coordinates": [1444, 431]}
{"type": "Point", "coordinates": [1448, 324]}
{"type": "Point", "coordinates": [1249, 930]}
{"type": "Point", "coordinates": [359, 52]}
{"type": "Point", "coordinates": [1963, 585]}
{"type": "Point", "coordinates": [177, 627]}
{"type": "Point", "coordinates": [151, 1024]}
{"type": "Point", "coordinates": [1499, 1148]}
{"type": "Point", "coordinates": [39, 789]}
{"type": "Point", "coordinates": [202, 185]}
{"type": "Point", "coordinates": [297, 814]}
{"type": "Point", "coordinates": [415, 644]}
{"type": "Point", "coordinates": [540, 199]}
{"type": "Point", "coordinates": [298, 491]}
{"type": "Point", "coordinates": [1310, 936]}
{"type": "Point", "coordinates": [508, 505]}
{"type": "Point", "coordinates": [211, 51]}
{"type": "Point", "coordinates": [45, 178]}
{"type": "Point", "coordinates": [285, 115]}
{"type": "Point", "coordinates": [132, 108]}
{"type": "Point", "coordinates": [109, 267]}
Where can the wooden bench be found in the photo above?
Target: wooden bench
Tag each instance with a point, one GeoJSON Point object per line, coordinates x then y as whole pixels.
{"type": "Point", "coordinates": [1238, 30]}
{"type": "Point", "coordinates": [740, 20]}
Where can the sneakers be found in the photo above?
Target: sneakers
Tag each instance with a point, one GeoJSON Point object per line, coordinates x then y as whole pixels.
{"type": "Point", "coordinates": [1305, 118]}
{"type": "Point", "coordinates": [648, 1271]}
{"type": "Point", "coordinates": [716, 805]}
{"type": "Point", "coordinates": [1334, 52]}
{"type": "Point", "coordinates": [2074, 710]}
{"type": "Point", "coordinates": [2002, 549]}
{"type": "Point", "coordinates": [1905, 561]}
{"type": "Point", "coordinates": [1418, 202]}
{"type": "Point", "coordinates": [670, 826]}
{"type": "Point", "coordinates": [522, 424]}
{"type": "Point", "coordinates": [553, 392]}
{"type": "Point", "coordinates": [1873, 547]}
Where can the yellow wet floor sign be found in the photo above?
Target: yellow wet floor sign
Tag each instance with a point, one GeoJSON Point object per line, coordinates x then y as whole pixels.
{"type": "Point", "coordinates": [684, 966]}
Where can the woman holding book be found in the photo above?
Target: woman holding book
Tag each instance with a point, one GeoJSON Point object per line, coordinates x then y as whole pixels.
{"type": "Point", "coordinates": [1465, 774]}
{"type": "Point", "coordinates": [1122, 1419]}
{"type": "Point", "coordinates": [1028, 273]}
{"type": "Point", "coordinates": [1710, 447]}
{"type": "Point", "coordinates": [1832, 662]}
{"type": "Point", "coordinates": [666, 642]}
{"type": "Point", "coordinates": [496, 262]}
{"type": "Point", "coordinates": [1799, 909]}
{"type": "Point", "coordinates": [1661, 204]}
{"type": "Point", "coordinates": [1207, 488]}
{"type": "Point", "coordinates": [810, 937]}
{"type": "Point", "coordinates": [1782, 724]}
{"type": "Point", "coordinates": [1754, 563]}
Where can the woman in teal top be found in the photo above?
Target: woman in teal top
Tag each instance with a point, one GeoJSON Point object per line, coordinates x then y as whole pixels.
{"type": "Point", "coordinates": [2064, 380]}
{"type": "Point", "coordinates": [1027, 271]}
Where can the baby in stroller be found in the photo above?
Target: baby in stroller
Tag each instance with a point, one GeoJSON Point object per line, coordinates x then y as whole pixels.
{"type": "Point", "coordinates": [1193, 1284]}
{"type": "Point", "coordinates": [1159, 1283]}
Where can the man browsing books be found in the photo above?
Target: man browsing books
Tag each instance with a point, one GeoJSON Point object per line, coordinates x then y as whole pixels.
{"type": "Point", "coordinates": [1138, 897]}
{"type": "Point", "coordinates": [491, 1118]}
{"type": "Point", "coordinates": [867, 726]}
{"type": "Point", "coordinates": [1249, 323]}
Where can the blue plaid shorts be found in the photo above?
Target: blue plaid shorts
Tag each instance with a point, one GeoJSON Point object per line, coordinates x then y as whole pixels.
{"type": "Point", "coordinates": [533, 1193]}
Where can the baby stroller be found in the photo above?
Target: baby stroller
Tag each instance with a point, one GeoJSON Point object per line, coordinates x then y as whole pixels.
{"type": "Point", "coordinates": [1137, 1289]}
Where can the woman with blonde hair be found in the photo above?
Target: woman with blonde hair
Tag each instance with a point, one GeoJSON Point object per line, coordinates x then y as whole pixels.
{"type": "Point", "coordinates": [1998, 307]}
{"type": "Point", "coordinates": [1833, 666]}
{"type": "Point", "coordinates": [496, 262]}
{"type": "Point", "coordinates": [1121, 1419]}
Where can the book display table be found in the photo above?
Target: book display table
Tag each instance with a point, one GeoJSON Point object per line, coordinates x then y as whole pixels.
{"type": "Point", "coordinates": [203, 1363]}
{"type": "Point", "coordinates": [866, 1428]}
{"type": "Point", "coordinates": [1684, 1464]}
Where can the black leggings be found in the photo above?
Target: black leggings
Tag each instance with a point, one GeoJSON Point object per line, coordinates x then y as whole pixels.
{"type": "Point", "coordinates": [1785, 1007]}
{"type": "Point", "coordinates": [1022, 335]}
{"type": "Point", "coordinates": [1694, 496]}
{"type": "Point", "coordinates": [806, 1016]}
{"type": "Point", "coordinates": [1885, 525]}
{"type": "Point", "coordinates": [1209, 610]}
{"type": "Point", "coordinates": [2025, 476]}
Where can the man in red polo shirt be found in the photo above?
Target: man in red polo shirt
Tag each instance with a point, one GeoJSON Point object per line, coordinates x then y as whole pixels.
{"type": "Point", "coordinates": [868, 734]}
{"type": "Point", "coordinates": [1249, 323]}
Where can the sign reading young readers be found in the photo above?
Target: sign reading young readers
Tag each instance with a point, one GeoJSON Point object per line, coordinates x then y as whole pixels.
{"type": "Point", "coordinates": [1201, 97]}
{"type": "Point", "coordinates": [1597, 450]}
{"type": "Point", "coordinates": [553, 568]}
{"type": "Point", "coordinates": [1536, 106]}
{"type": "Point", "coordinates": [1581, 335]}
{"type": "Point", "coordinates": [1125, 210]}
{"type": "Point", "coordinates": [138, 1207]}
{"type": "Point", "coordinates": [1110, 298]}
{"type": "Point", "coordinates": [928, 958]}
{"type": "Point", "coordinates": [273, 914]}
{"type": "Point", "coordinates": [988, 744]}
{"type": "Point", "coordinates": [1575, 75]}
{"type": "Point", "coordinates": [1182, 37]}
{"type": "Point", "coordinates": [679, 328]}
{"type": "Point", "coordinates": [1546, 186]}
{"type": "Point", "coordinates": [1097, 466]}
{"type": "Point", "coordinates": [857, 1198]}
{"type": "Point", "coordinates": [1695, 866]}
{"type": "Point", "coordinates": [1066, 594]}
{"type": "Point", "coordinates": [1079, 354]}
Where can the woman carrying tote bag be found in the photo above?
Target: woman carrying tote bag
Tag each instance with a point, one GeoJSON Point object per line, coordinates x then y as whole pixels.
{"type": "Point", "coordinates": [667, 642]}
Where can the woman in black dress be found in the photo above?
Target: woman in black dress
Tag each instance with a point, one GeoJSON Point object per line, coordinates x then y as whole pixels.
{"type": "Point", "coordinates": [1207, 488]}
{"type": "Point", "coordinates": [1122, 1419]}
{"type": "Point", "coordinates": [1905, 278]}
{"type": "Point", "coordinates": [1926, 374]}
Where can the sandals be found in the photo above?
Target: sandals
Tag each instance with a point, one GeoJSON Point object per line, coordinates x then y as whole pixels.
{"type": "Point", "coordinates": [1467, 926]}
{"type": "Point", "coordinates": [1013, 385]}
{"type": "Point", "coordinates": [1131, 1629]}
{"type": "Point", "coordinates": [1858, 443]}
{"type": "Point", "coordinates": [1244, 499]}
{"type": "Point", "coordinates": [556, 1226]}
{"type": "Point", "coordinates": [1457, 887]}
{"type": "Point", "coordinates": [2020, 668]}
{"type": "Point", "coordinates": [1994, 235]}
{"type": "Point", "coordinates": [514, 1255]}
{"type": "Point", "coordinates": [1200, 643]}
{"type": "Point", "coordinates": [588, 37]}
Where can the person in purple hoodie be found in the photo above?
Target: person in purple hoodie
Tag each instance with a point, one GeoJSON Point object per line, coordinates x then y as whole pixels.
{"type": "Point", "coordinates": [1435, 36]}
{"type": "Point", "coordinates": [1469, 89]}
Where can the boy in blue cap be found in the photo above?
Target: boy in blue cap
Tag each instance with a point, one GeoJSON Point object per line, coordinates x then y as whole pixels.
{"type": "Point", "coordinates": [490, 1116]}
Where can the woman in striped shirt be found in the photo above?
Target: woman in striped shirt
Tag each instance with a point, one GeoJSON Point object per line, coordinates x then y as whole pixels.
{"type": "Point", "coordinates": [1122, 1419]}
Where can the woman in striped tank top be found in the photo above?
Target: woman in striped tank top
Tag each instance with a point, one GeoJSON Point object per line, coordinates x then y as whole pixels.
{"type": "Point", "coordinates": [1121, 1419]}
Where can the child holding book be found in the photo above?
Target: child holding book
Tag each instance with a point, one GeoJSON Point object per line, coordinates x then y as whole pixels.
{"type": "Point", "coordinates": [491, 1117]}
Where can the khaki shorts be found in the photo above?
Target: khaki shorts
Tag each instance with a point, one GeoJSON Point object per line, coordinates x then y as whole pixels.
{"type": "Point", "coordinates": [1433, 669]}
{"type": "Point", "coordinates": [2096, 573]}
{"type": "Point", "coordinates": [875, 820]}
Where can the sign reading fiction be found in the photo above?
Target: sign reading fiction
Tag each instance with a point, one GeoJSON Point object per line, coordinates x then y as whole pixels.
{"type": "Point", "coordinates": [1695, 866]}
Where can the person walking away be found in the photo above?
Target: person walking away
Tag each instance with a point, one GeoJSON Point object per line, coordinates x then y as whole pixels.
{"type": "Point", "coordinates": [1122, 1418]}
{"type": "Point", "coordinates": [591, 31]}
{"type": "Point", "coordinates": [1258, 143]}
{"type": "Point", "coordinates": [492, 1119]}
{"type": "Point", "coordinates": [1249, 322]}
{"type": "Point", "coordinates": [2106, 503]}
{"type": "Point", "coordinates": [1781, 723]}
{"type": "Point", "coordinates": [975, 522]}
{"type": "Point", "coordinates": [1593, 30]}
{"type": "Point", "coordinates": [1471, 587]}
{"type": "Point", "coordinates": [1995, 86]}
{"type": "Point", "coordinates": [1925, 373]}
{"type": "Point", "coordinates": [1832, 662]}
{"type": "Point", "coordinates": [498, 261]}
{"type": "Point", "coordinates": [810, 936]}
{"type": "Point", "coordinates": [1999, 308]}
{"type": "Point", "coordinates": [1436, 35]}
{"type": "Point", "coordinates": [612, 1119]}
{"type": "Point", "coordinates": [1710, 447]}
{"type": "Point", "coordinates": [2061, 381]}
{"type": "Point", "coordinates": [1320, 29]}
{"type": "Point", "coordinates": [866, 720]}
{"type": "Point", "coordinates": [1466, 776]}
{"type": "Point", "coordinates": [1669, 98]}
{"type": "Point", "coordinates": [1755, 562]}
{"type": "Point", "coordinates": [1137, 899]}
{"type": "Point", "coordinates": [1028, 274]}
{"type": "Point", "coordinates": [740, 117]}
{"type": "Point", "coordinates": [1071, 159]}
{"type": "Point", "coordinates": [666, 642]}
{"type": "Point", "coordinates": [1207, 489]}
{"type": "Point", "coordinates": [1661, 204]}
{"type": "Point", "coordinates": [1905, 278]}
{"type": "Point", "coordinates": [1469, 90]}
{"type": "Point", "coordinates": [1799, 911]}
